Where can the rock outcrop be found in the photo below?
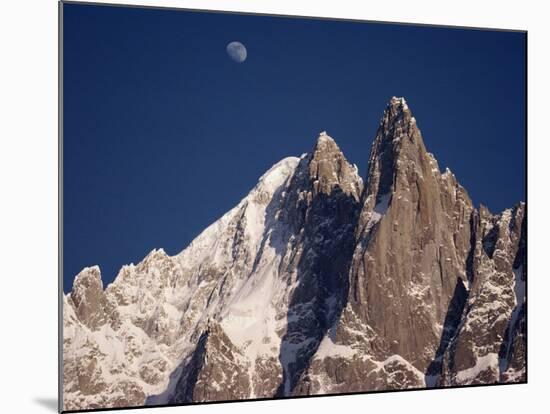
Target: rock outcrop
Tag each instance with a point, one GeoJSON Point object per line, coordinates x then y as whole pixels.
{"type": "Point", "coordinates": [314, 283]}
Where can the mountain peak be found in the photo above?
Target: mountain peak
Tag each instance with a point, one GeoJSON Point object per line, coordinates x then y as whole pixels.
{"type": "Point", "coordinates": [328, 168]}
{"type": "Point", "coordinates": [88, 297]}
{"type": "Point", "coordinates": [324, 137]}
{"type": "Point", "coordinates": [88, 277]}
{"type": "Point", "coordinates": [399, 102]}
{"type": "Point", "coordinates": [306, 273]}
{"type": "Point", "coordinates": [325, 142]}
{"type": "Point", "coordinates": [398, 142]}
{"type": "Point", "coordinates": [397, 111]}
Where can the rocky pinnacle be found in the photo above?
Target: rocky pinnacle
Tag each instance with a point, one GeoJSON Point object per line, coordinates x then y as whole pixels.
{"type": "Point", "coordinates": [316, 282]}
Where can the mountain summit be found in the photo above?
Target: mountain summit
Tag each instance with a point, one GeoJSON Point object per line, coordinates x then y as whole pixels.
{"type": "Point", "coordinates": [316, 282]}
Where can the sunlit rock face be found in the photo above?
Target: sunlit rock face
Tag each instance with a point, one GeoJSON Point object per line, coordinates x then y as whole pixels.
{"type": "Point", "coordinates": [316, 282]}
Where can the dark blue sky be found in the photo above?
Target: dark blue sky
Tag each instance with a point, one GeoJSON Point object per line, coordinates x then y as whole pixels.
{"type": "Point", "coordinates": [163, 133]}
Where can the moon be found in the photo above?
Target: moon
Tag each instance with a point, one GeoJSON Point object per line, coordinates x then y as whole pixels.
{"type": "Point", "coordinates": [236, 51]}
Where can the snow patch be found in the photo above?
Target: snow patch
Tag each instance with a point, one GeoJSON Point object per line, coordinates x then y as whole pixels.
{"type": "Point", "coordinates": [519, 290]}
{"type": "Point", "coordinates": [489, 361]}
{"type": "Point", "coordinates": [327, 348]}
{"type": "Point", "coordinates": [379, 210]}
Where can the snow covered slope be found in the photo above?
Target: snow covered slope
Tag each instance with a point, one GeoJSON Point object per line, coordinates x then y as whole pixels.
{"type": "Point", "coordinates": [313, 283]}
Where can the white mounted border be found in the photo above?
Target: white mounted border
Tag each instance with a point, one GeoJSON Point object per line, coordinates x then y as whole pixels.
{"type": "Point", "coordinates": [28, 212]}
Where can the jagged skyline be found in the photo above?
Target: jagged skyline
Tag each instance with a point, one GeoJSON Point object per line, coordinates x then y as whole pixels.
{"type": "Point", "coordinates": [315, 283]}
{"type": "Point", "coordinates": [170, 134]}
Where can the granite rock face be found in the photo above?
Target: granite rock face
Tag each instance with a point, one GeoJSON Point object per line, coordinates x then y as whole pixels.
{"type": "Point", "coordinates": [314, 283]}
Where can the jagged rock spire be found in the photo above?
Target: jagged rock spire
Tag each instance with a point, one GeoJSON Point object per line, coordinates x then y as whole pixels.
{"type": "Point", "coordinates": [413, 238]}
{"type": "Point", "coordinates": [88, 297]}
{"type": "Point", "coordinates": [329, 168]}
{"type": "Point", "coordinates": [398, 140]}
{"type": "Point", "coordinates": [311, 285]}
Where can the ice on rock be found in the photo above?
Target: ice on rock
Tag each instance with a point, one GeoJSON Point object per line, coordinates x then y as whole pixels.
{"type": "Point", "coordinates": [263, 286]}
